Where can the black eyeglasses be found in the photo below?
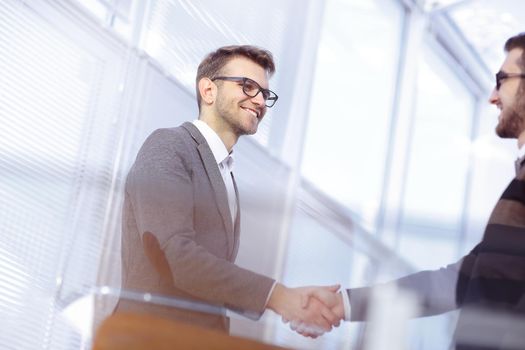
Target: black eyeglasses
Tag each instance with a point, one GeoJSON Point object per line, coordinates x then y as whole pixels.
{"type": "Point", "coordinates": [500, 76]}
{"type": "Point", "coordinates": [251, 88]}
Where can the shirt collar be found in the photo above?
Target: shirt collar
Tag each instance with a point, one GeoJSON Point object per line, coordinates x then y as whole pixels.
{"type": "Point", "coordinates": [521, 152]}
{"type": "Point", "coordinates": [220, 153]}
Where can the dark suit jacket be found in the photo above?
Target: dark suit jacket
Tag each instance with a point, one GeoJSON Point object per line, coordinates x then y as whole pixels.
{"type": "Point", "coordinates": [490, 279]}
{"type": "Point", "coordinates": [178, 238]}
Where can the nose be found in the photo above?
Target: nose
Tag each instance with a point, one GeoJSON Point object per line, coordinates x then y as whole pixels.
{"type": "Point", "coordinates": [259, 99]}
{"type": "Point", "coordinates": [494, 97]}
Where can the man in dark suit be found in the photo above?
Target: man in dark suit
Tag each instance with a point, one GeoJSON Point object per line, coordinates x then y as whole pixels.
{"type": "Point", "coordinates": [181, 219]}
{"type": "Point", "coordinates": [491, 279]}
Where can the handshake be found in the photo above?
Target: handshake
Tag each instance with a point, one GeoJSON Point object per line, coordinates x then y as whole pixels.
{"type": "Point", "coordinates": [311, 311]}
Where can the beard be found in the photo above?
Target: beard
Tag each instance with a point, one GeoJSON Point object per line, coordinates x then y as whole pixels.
{"type": "Point", "coordinates": [512, 121]}
{"type": "Point", "coordinates": [229, 111]}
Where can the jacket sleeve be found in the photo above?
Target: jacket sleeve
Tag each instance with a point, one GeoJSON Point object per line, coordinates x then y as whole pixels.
{"type": "Point", "coordinates": [435, 292]}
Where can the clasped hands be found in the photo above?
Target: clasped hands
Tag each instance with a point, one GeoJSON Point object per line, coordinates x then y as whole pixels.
{"type": "Point", "coordinates": [311, 311]}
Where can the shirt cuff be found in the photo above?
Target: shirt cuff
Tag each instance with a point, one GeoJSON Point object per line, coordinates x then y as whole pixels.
{"type": "Point", "coordinates": [346, 304]}
{"type": "Point", "coordinates": [270, 294]}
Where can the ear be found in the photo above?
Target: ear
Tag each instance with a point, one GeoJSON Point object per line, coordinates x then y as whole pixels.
{"type": "Point", "coordinates": [208, 90]}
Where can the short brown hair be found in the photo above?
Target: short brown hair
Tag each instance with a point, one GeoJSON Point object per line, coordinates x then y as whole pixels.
{"type": "Point", "coordinates": [216, 60]}
{"type": "Point", "coordinates": [517, 42]}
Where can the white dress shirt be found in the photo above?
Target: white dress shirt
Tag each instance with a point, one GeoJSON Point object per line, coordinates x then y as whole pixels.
{"type": "Point", "coordinates": [346, 304]}
{"type": "Point", "coordinates": [520, 159]}
{"type": "Point", "coordinates": [224, 162]}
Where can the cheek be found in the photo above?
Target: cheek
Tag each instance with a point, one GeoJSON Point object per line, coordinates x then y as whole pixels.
{"type": "Point", "coordinates": [506, 101]}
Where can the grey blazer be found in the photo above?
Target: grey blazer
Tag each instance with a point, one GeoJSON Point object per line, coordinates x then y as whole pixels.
{"type": "Point", "coordinates": [178, 238]}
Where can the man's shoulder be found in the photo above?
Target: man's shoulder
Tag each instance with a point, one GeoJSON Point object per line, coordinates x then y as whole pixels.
{"type": "Point", "coordinates": [164, 148]}
{"type": "Point", "coordinates": [167, 142]}
{"type": "Point", "coordinates": [181, 131]}
{"type": "Point", "coordinates": [173, 137]}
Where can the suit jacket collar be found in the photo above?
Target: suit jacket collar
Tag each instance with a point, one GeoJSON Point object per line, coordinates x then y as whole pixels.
{"type": "Point", "coordinates": [214, 175]}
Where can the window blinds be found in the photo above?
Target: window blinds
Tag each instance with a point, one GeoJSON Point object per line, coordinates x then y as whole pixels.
{"type": "Point", "coordinates": [59, 102]}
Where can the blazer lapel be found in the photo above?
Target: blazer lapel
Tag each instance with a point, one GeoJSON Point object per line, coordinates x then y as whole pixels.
{"type": "Point", "coordinates": [214, 175]}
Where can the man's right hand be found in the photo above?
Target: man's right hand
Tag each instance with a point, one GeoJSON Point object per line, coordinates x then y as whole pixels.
{"type": "Point", "coordinates": [308, 316]}
{"type": "Point", "coordinates": [326, 296]}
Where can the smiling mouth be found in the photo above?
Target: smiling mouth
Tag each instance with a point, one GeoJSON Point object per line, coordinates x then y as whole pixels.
{"type": "Point", "coordinates": [252, 112]}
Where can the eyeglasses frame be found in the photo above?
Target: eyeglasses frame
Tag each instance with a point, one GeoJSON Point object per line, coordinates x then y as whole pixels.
{"type": "Point", "coordinates": [500, 76]}
{"type": "Point", "coordinates": [272, 96]}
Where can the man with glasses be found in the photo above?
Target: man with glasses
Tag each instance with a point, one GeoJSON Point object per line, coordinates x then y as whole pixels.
{"type": "Point", "coordinates": [181, 220]}
{"type": "Point", "coordinates": [488, 284]}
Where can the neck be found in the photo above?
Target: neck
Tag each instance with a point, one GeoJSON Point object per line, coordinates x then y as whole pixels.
{"type": "Point", "coordinates": [227, 136]}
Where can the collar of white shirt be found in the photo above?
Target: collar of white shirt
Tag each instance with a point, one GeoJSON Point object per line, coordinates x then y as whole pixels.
{"type": "Point", "coordinates": [220, 153]}
{"type": "Point", "coordinates": [521, 152]}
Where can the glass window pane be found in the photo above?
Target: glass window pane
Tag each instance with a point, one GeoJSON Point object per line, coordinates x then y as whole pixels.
{"type": "Point", "coordinates": [123, 8]}
{"type": "Point", "coordinates": [351, 104]}
{"type": "Point", "coordinates": [486, 24]}
{"type": "Point", "coordinates": [436, 177]}
{"type": "Point", "coordinates": [96, 8]}
{"type": "Point", "coordinates": [316, 256]}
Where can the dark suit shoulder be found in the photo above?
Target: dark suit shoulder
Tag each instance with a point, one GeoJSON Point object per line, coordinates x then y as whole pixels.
{"type": "Point", "coordinates": [515, 191]}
